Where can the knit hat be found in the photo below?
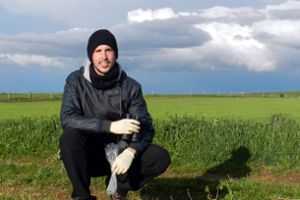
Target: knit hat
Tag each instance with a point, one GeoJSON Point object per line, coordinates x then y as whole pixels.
{"type": "Point", "coordinates": [100, 37]}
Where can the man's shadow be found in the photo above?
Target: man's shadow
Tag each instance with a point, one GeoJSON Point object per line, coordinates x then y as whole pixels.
{"type": "Point", "coordinates": [205, 186]}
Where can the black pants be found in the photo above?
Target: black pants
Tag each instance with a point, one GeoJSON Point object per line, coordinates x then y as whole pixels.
{"type": "Point", "coordinates": [84, 157]}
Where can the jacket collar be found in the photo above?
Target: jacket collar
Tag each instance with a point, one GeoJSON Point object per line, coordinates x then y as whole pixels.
{"type": "Point", "coordinates": [86, 70]}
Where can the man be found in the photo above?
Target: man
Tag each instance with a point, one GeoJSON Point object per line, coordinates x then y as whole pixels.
{"type": "Point", "coordinates": [97, 98]}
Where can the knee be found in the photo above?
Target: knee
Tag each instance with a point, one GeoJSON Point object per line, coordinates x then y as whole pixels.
{"type": "Point", "coordinates": [164, 160]}
{"type": "Point", "coordinates": [157, 159]}
{"type": "Point", "coordinates": [71, 138]}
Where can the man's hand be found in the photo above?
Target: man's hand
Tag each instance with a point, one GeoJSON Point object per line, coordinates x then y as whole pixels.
{"type": "Point", "coordinates": [125, 126]}
{"type": "Point", "coordinates": [123, 161]}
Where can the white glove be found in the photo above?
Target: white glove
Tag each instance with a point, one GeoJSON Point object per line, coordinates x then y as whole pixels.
{"type": "Point", "coordinates": [125, 126]}
{"type": "Point", "coordinates": [122, 162]}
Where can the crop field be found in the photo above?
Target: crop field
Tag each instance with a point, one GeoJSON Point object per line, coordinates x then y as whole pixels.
{"type": "Point", "coordinates": [29, 96]}
{"type": "Point", "coordinates": [160, 107]}
{"type": "Point", "coordinates": [249, 108]}
{"type": "Point", "coordinates": [231, 148]}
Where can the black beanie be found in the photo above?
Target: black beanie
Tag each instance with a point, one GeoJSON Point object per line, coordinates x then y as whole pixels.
{"type": "Point", "coordinates": [100, 37]}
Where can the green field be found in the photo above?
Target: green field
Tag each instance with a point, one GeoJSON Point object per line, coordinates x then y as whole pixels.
{"type": "Point", "coordinates": [4, 97]}
{"type": "Point", "coordinates": [248, 108]}
{"type": "Point", "coordinates": [15, 110]}
{"type": "Point", "coordinates": [211, 159]}
{"type": "Point", "coordinates": [222, 147]}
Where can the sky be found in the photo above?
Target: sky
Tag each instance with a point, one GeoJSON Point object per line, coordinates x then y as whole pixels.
{"type": "Point", "coordinates": [169, 46]}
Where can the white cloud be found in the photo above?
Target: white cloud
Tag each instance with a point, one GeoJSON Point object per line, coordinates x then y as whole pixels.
{"type": "Point", "coordinates": [285, 6]}
{"type": "Point", "coordinates": [141, 15]}
{"type": "Point", "coordinates": [280, 32]}
{"type": "Point", "coordinates": [30, 60]}
{"type": "Point", "coordinates": [237, 38]}
{"type": "Point", "coordinates": [45, 50]}
{"type": "Point", "coordinates": [241, 15]}
{"type": "Point", "coordinates": [59, 49]}
{"type": "Point", "coordinates": [229, 43]}
{"type": "Point", "coordinates": [286, 10]}
{"type": "Point", "coordinates": [234, 45]}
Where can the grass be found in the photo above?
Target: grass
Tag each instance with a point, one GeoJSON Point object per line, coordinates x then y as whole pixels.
{"type": "Point", "coordinates": [199, 187]}
{"type": "Point", "coordinates": [25, 97]}
{"type": "Point", "coordinates": [12, 97]}
{"type": "Point", "coordinates": [33, 179]}
{"type": "Point", "coordinates": [17, 110]}
{"type": "Point", "coordinates": [211, 159]}
{"type": "Point", "coordinates": [36, 178]}
{"type": "Point", "coordinates": [247, 108]}
{"type": "Point", "coordinates": [220, 148]}
{"type": "Point", "coordinates": [193, 143]}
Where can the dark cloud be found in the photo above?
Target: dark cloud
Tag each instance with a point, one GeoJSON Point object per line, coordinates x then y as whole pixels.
{"type": "Point", "coordinates": [171, 33]}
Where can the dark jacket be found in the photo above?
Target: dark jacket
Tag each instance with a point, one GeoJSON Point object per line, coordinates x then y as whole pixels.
{"type": "Point", "coordinates": [87, 108]}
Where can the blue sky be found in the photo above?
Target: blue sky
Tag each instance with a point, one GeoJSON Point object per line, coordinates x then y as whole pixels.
{"type": "Point", "coordinates": [169, 46]}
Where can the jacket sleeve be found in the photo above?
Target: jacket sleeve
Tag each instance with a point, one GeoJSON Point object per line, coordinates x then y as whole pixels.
{"type": "Point", "coordinates": [138, 108]}
{"type": "Point", "coordinates": [71, 113]}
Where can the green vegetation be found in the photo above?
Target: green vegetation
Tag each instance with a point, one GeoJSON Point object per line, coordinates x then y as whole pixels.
{"type": "Point", "coordinates": [212, 159]}
{"type": "Point", "coordinates": [193, 143]}
{"type": "Point", "coordinates": [248, 108]}
{"type": "Point", "coordinates": [25, 97]}
{"type": "Point", "coordinates": [17, 110]}
{"type": "Point", "coordinates": [240, 146]}
{"type": "Point", "coordinates": [201, 144]}
{"type": "Point", "coordinates": [12, 97]}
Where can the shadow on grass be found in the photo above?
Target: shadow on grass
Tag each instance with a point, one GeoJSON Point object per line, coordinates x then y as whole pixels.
{"type": "Point", "coordinates": [206, 186]}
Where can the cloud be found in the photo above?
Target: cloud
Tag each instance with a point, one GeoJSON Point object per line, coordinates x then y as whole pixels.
{"type": "Point", "coordinates": [49, 43]}
{"type": "Point", "coordinates": [279, 32]}
{"type": "Point", "coordinates": [242, 15]}
{"type": "Point", "coordinates": [44, 50]}
{"type": "Point", "coordinates": [141, 15]}
{"type": "Point", "coordinates": [155, 35]}
{"type": "Point", "coordinates": [220, 37]}
{"type": "Point", "coordinates": [233, 45]}
{"type": "Point", "coordinates": [30, 60]}
{"type": "Point", "coordinates": [196, 41]}
{"type": "Point", "coordinates": [287, 10]}
{"type": "Point", "coordinates": [215, 38]}
{"type": "Point", "coordinates": [281, 25]}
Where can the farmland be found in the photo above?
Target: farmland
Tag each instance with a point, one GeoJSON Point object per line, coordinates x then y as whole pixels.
{"type": "Point", "coordinates": [248, 108]}
{"type": "Point", "coordinates": [222, 147]}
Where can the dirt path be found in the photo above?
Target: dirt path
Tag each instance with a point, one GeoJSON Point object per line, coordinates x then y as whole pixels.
{"type": "Point", "coordinates": [263, 174]}
{"type": "Point", "coordinates": [267, 175]}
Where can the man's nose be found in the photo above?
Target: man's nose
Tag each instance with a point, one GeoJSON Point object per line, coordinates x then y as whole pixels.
{"type": "Point", "coordinates": [104, 55]}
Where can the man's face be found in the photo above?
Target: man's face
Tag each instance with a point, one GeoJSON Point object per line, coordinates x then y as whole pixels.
{"type": "Point", "coordinates": [103, 59]}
